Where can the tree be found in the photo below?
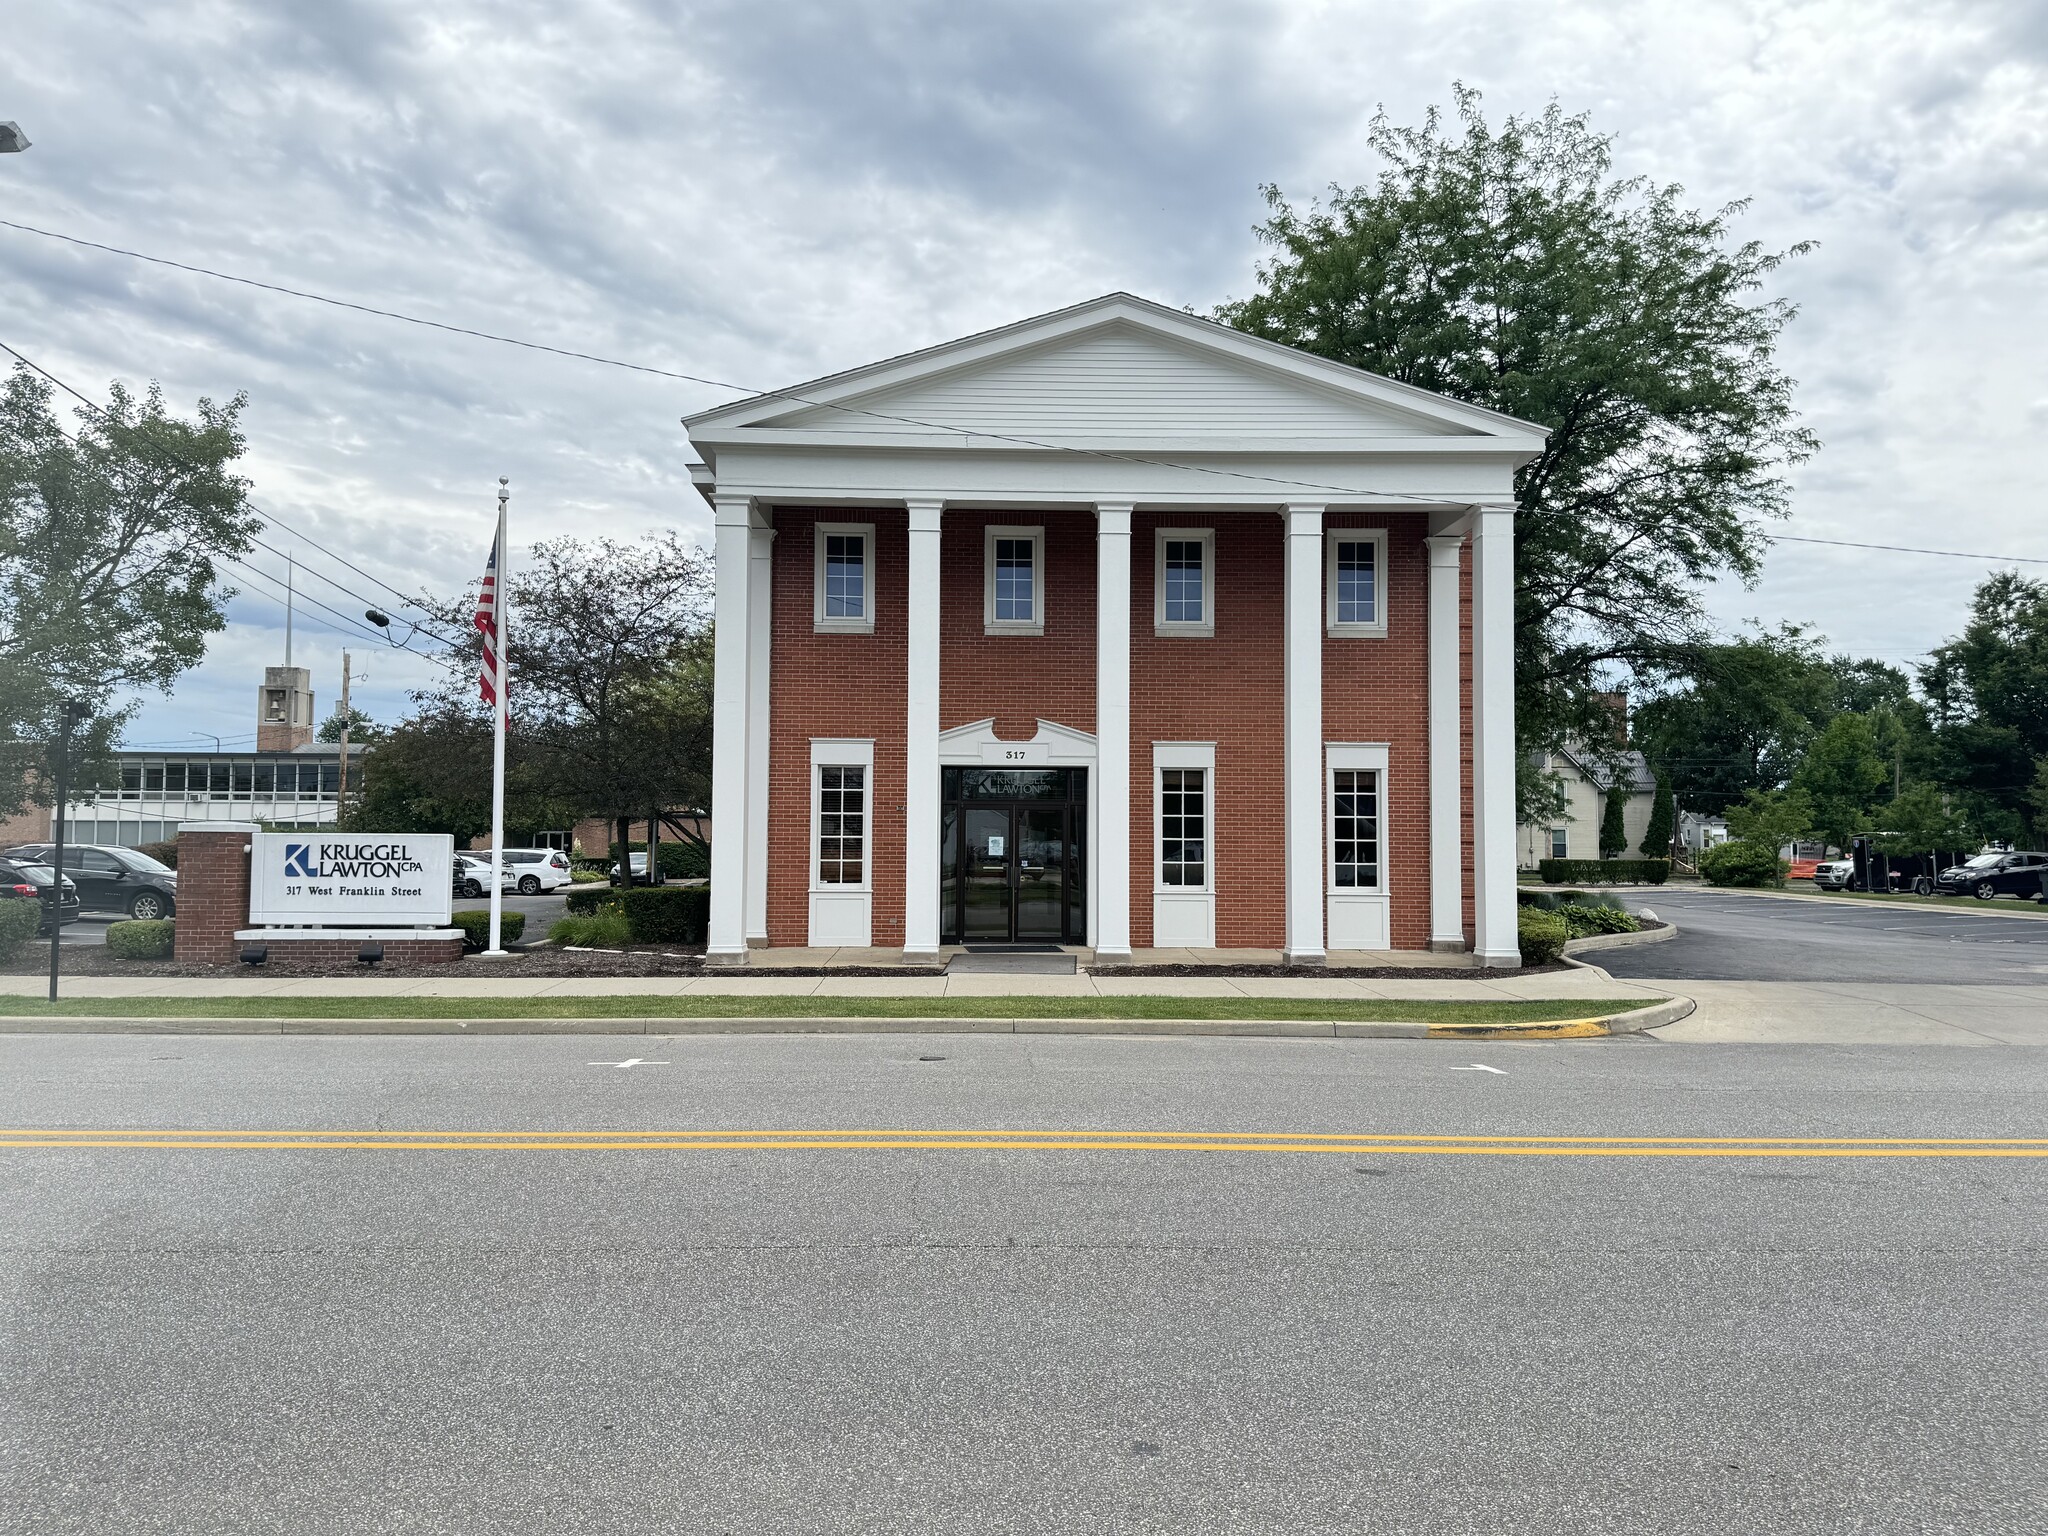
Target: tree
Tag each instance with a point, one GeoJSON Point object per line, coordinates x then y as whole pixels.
{"type": "Point", "coordinates": [1741, 718]}
{"type": "Point", "coordinates": [430, 773]}
{"type": "Point", "coordinates": [1843, 778]}
{"type": "Point", "coordinates": [1656, 842]}
{"type": "Point", "coordinates": [1760, 827]}
{"type": "Point", "coordinates": [1920, 820]}
{"type": "Point", "coordinates": [109, 538]}
{"type": "Point", "coordinates": [1613, 832]}
{"type": "Point", "coordinates": [362, 730]}
{"type": "Point", "coordinates": [1510, 268]}
{"type": "Point", "coordinates": [1989, 690]}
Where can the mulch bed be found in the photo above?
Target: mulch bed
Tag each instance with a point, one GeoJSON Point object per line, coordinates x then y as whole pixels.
{"type": "Point", "coordinates": [541, 963]}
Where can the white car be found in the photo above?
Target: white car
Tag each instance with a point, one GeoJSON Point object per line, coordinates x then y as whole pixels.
{"type": "Point", "coordinates": [529, 871]}
{"type": "Point", "coordinates": [1834, 875]}
{"type": "Point", "coordinates": [473, 876]}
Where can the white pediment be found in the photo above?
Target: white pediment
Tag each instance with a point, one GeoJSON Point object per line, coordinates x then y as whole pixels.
{"type": "Point", "coordinates": [1052, 746]}
{"type": "Point", "coordinates": [1115, 369]}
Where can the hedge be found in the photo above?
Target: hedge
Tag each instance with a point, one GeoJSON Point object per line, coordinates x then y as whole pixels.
{"type": "Point", "coordinates": [1743, 864]}
{"type": "Point", "coordinates": [655, 914]}
{"type": "Point", "coordinates": [165, 852]}
{"type": "Point", "coordinates": [1583, 918]}
{"type": "Point", "coordinates": [678, 860]}
{"type": "Point", "coordinates": [135, 939]}
{"type": "Point", "coordinates": [1603, 871]}
{"type": "Point", "coordinates": [476, 927]}
{"type": "Point", "coordinates": [1541, 935]}
{"type": "Point", "coordinates": [19, 919]}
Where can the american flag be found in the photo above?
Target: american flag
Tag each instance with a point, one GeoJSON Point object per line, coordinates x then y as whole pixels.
{"type": "Point", "coordinates": [487, 624]}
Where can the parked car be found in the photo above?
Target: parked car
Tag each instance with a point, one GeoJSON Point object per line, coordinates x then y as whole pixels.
{"type": "Point", "coordinates": [1834, 874]}
{"type": "Point", "coordinates": [110, 879]}
{"type": "Point", "coordinates": [533, 870]}
{"type": "Point", "coordinates": [637, 862]}
{"type": "Point", "coordinates": [31, 882]}
{"type": "Point", "coordinates": [1997, 874]}
{"type": "Point", "coordinates": [473, 876]}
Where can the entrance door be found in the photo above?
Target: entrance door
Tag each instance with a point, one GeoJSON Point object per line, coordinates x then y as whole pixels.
{"type": "Point", "coordinates": [1013, 862]}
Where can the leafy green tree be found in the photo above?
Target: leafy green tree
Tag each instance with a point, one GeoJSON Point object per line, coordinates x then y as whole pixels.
{"type": "Point", "coordinates": [2037, 799]}
{"type": "Point", "coordinates": [1740, 718]}
{"type": "Point", "coordinates": [1843, 778]}
{"type": "Point", "coordinates": [1613, 832]}
{"type": "Point", "coordinates": [362, 730]}
{"type": "Point", "coordinates": [1989, 691]}
{"type": "Point", "coordinates": [109, 538]}
{"type": "Point", "coordinates": [1656, 842]}
{"type": "Point", "coordinates": [1759, 829]}
{"type": "Point", "coordinates": [1512, 269]}
{"type": "Point", "coordinates": [1920, 820]}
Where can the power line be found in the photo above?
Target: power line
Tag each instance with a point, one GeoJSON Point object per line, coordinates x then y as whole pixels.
{"type": "Point", "coordinates": [1907, 549]}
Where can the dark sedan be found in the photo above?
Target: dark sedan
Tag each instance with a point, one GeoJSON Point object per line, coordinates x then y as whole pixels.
{"type": "Point", "coordinates": [1997, 874]}
{"type": "Point", "coordinates": [31, 882]}
{"type": "Point", "coordinates": [110, 879]}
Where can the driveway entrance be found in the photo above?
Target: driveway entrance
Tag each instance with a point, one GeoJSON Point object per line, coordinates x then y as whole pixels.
{"type": "Point", "coordinates": [1012, 865]}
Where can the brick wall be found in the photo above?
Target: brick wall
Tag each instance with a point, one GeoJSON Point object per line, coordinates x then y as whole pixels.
{"type": "Point", "coordinates": [835, 685]}
{"type": "Point", "coordinates": [213, 894]}
{"type": "Point", "coordinates": [1018, 679]}
{"type": "Point", "coordinates": [333, 952]}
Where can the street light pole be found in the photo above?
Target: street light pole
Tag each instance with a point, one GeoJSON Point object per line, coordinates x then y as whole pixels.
{"type": "Point", "coordinates": [74, 711]}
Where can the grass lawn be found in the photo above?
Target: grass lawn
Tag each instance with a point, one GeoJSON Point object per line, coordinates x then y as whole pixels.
{"type": "Point", "coordinates": [2003, 904]}
{"type": "Point", "coordinates": [1365, 1011]}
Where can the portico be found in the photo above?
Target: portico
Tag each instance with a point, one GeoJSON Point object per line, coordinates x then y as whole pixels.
{"type": "Point", "coordinates": [1236, 621]}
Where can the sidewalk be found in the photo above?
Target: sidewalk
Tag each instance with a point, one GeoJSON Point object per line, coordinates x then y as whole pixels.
{"type": "Point", "coordinates": [1858, 1013]}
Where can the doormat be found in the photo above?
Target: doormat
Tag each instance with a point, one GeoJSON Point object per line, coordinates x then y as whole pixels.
{"type": "Point", "coordinates": [1012, 963]}
{"type": "Point", "coordinates": [1012, 949]}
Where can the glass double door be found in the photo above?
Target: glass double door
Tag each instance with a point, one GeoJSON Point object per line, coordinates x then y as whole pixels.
{"type": "Point", "coordinates": [1012, 872]}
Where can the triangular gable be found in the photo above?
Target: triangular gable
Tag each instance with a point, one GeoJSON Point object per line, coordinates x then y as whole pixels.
{"type": "Point", "coordinates": [1115, 368]}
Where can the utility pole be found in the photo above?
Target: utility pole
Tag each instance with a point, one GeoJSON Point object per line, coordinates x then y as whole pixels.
{"type": "Point", "coordinates": [74, 711]}
{"type": "Point", "coordinates": [341, 795]}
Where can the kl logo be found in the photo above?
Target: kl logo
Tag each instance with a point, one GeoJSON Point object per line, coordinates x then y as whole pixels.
{"type": "Point", "coordinates": [298, 861]}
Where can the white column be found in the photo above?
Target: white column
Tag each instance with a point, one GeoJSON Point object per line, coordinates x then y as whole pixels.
{"type": "Point", "coordinates": [729, 736]}
{"type": "Point", "coordinates": [1493, 738]}
{"type": "Point", "coordinates": [760, 607]}
{"type": "Point", "coordinates": [1112, 794]}
{"type": "Point", "coordinates": [921, 740]}
{"type": "Point", "coordinates": [1301, 773]}
{"type": "Point", "coordinates": [1446, 793]}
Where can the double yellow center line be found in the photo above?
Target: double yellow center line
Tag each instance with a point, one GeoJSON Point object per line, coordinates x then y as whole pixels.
{"type": "Point", "coordinates": [742, 1140]}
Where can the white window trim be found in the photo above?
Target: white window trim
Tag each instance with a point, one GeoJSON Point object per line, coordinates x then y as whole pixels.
{"type": "Point", "coordinates": [1353, 757]}
{"type": "Point", "coordinates": [1378, 538]}
{"type": "Point", "coordinates": [990, 624]}
{"type": "Point", "coordinates": [1550, 843]}
{"type": "Point", "coordinates": [1183, 754]}
{"type": "Point", "coordinates": [1206, 537]}
{"type": "Point", "coordinates": [848, 753]}
{"type": "Point", "coordinates": [865, 625]}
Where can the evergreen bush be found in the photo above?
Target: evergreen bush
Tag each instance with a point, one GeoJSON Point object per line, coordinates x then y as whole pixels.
{"type": "Point", "coordinates": [20, 917]}
{"type": "Point", "coordinates": [1743, 863]}
{"type": "Point", "coordinates": [476, 927]}
{"type": "Point", "coordinates": [139, 940]}
{"type": "Point", "coordinates": [1541, 935]}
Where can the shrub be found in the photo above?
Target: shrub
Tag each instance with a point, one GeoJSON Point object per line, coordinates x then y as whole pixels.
{"type": "Point", "coordinates": [1542, 935]}
{"type": "Point", "coordinates": [1743, 863]}
{"type": "Point", "coordinates": [1582, 918]}
{"type": "Point", "coordinates": [581, 876]}
{"type": "Point", "coordinates": [165, 852]}
{"type": "Point", "coordinates": [606, 930]}
{"type": "Point", "coordinates": [666, 914]}
{"type": "Point", "coordinates": [584, 899]}
{"type": "Point", "coordinates": [476, 927]}
{"type": "Point", "coordinates": [136, 940]}
{"type": "Point", "coordinates": [1603, 871]}
{"type": "Point", "coordinates": [678, 860]}
{"type": "Point", "coordinates": [20, 917]}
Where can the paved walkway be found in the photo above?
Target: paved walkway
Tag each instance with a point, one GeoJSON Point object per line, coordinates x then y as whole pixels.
{"type": "Point", "coordinates": [1857, 1013]}
{"type": "Point", "coordinates": [1339, 959]}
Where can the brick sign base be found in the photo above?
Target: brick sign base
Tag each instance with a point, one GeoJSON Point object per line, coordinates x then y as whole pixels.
{"type": "Point", "coordinates": [292, 946]}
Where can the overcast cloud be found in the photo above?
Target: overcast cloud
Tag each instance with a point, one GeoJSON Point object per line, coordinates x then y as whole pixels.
{"type": "Point", "coordinates": [765, 192]}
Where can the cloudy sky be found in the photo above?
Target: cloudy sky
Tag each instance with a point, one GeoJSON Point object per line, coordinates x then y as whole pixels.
{"type": "Point", "coordinates": [769, 190]}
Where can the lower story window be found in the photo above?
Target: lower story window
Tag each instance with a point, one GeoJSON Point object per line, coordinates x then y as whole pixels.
{"type": "Point", "coordinates": [1355, 829]}
{"type": "Point", "coordinates": [1183, 827]}
{"type": "Point", "coordinates": [1558, 843]}
{"type": "Point", "coordinates": [842, 824]}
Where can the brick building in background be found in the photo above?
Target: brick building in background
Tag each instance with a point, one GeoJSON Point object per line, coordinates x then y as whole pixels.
{"type": "Point", "coordinates": [1113, 628]}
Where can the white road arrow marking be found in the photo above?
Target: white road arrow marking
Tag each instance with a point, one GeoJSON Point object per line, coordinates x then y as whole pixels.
{"type": "Point", "coordinates": [1481, 1067]}
{"type": "Point", "coordinates": [630, 1061]}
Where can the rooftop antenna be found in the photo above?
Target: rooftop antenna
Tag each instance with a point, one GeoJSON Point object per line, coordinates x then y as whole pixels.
{"type": "Point", "coordinates": [287, 610]}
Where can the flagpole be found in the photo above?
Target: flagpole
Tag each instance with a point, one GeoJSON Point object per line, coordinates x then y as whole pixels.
{"type": "Point", "coordinates": [502, 594]}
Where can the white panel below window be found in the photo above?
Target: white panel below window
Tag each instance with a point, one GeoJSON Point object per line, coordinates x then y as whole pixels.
{"type": "Point", "coordinates": [1183, 919]}
{"type": "Point", "coordinates": [842, 919]}
{"type": "Point", "coordinates": [1360, 922]}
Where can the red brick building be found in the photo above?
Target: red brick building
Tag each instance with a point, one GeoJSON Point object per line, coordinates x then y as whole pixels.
{"type": "Point", "coordinates": [1115, 628]}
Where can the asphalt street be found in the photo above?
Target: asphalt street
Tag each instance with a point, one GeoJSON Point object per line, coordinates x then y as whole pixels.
{"type": "Point", "coordinates": [528, 1339]}
{"type": "Point", "coordinates": [1738, 936]}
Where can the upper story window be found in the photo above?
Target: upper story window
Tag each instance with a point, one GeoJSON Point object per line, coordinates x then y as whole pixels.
{"type": "Point", "coordinates": [1355, 580]}
{"type": "Point", "coordinates": [1014, 562]}
{"type": "Point", "coordinates": [1185, 579]}
{"type": "Point", "coordinates": [845, 580]}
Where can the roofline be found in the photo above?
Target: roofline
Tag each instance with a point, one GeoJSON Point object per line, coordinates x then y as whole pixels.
{"type": "Point", "coordinates": [817, 392]}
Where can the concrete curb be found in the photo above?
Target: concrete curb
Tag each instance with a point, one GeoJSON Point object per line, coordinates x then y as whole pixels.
{"type": "Point", "coordinates": [1593, 941]}
{"type": "Point", "coordinates": [2003, 907]}
{"type": "Point", "coordinates": [1631, 1022]}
